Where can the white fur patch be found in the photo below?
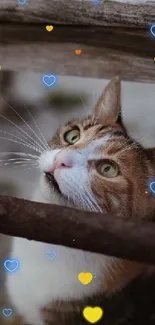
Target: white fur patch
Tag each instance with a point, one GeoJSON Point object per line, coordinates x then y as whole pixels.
{"type": "Point", "coordinates": [47, 159]}
{"type": "Point", "coordinates": [75, 182]}
{"type": "Point", "coordinates": [78, 157]}
{"type": "Point", "coordinates": [39, 280]}
{"type": "Point", "coordinates": [94, 147]}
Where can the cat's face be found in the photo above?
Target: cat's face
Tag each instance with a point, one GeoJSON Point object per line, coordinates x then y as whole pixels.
{"type": "Point", "coordinates": [94, 165]}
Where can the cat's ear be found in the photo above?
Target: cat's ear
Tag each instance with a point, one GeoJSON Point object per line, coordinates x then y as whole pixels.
{"type": "Point", "coordinates": [108, 106]}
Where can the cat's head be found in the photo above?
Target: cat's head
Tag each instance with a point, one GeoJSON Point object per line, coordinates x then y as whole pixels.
{"type": "Point", "coordinates": [93, 164]}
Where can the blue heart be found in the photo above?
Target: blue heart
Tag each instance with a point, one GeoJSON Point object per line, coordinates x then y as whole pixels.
{"type": "Point", "coordinates": [49, 80]}
{"type": "Point", "coordinates": [95, 1]}
{"type": "Point", "coordinates": [7, 312]}
{"type": "Point", "coordinates": [152, 30]}
{"type": "Point", "coordinates": [152, 187]}
{"type": "Point", "coordinates": [22, 2]}
{"type": "Point", "coordinates": [11, 265]}
{"type": "Point", "coordinates": [50, 255]}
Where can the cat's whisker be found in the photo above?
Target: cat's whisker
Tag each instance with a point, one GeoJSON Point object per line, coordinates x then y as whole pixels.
{"type": "Point", "coordinates": [85, 199]}
{"type": "Point", "coordinates": [80, 198]}
{"type": "Point", "coordinates": [45, 142]}
{"type": "Point", "coordinates": [28, 169]}
{"type": "Point", "coordinates": [77, 196]}
{"type": "Point", "coordinates": [19, 128]}
{"type": "Point", "coordinates": [93, 114]}
{"type": "Point", "coordinates": [91, 200]}
{"type": "Point", "coordinates": [88, 199]}
{"type": "Point", "coordinates": [17, 164]}
{"type": "Point", "coordinates": [134, 145]}
{"type": "Point", "coordinates": [37, 150]}
{"type": "Point", "coordinates": [85, 108]}
{"type": "Point", "coordinates": [88, 196]}
{"type": "Point", "coordinates": [17, 160]}
{"type": "Point", "coordinates": [93, 98]}
{"type": "Point", "coordinates": [128, 148]}
{"type": "Point", "coordinates": [88, 204]}
{"type": "Point", "coordinates": [84, 195]}
{"type": "Point", "coordinates": [22, 154]}
{"type": "Point", "coordinates": [15, 136]}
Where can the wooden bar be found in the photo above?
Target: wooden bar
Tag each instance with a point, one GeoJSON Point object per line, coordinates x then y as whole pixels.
{"type": "Point", "coordinates": [81, 12]}
{"type": "Point", "coordinates": [105, 51]}
{"type": "Point", "coordinates": [93, 232]}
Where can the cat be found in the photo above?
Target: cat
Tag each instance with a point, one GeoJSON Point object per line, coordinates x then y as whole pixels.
{"type": "Point", "coordinates": [91, 164]}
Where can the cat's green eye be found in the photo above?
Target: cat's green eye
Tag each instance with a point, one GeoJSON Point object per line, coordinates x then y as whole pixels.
{"type": "Point", "coordinates": [72, 136]}
{"type": "Point", "coordinates": [108, 169]}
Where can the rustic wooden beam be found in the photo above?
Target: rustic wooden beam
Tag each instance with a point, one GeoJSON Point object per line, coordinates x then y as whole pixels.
{"type": "Point", "coordinates": [89, 231]}
{"type": "Point", "coordinates": [106, 51]}
{"type": "Point", "coordinates": [85, 12]}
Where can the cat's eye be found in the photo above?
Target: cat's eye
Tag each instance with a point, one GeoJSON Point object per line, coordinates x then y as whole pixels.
{"type": "Point", "coordinates": [107, 168]}
{"type": "Point", "coordinates": [72, 136]}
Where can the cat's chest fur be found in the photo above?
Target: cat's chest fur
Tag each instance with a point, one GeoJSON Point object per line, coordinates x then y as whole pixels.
{"type": "Point", "coordinates": [41, 281]}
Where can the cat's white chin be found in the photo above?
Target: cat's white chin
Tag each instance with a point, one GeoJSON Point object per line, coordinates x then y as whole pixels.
{"type": "Point", "coordinates": [46, 193]}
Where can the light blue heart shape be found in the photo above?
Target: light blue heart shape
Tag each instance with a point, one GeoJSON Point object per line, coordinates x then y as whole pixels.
{"type": "Point", "coordinates": [152, 30]}
{"type": "Point", "coordinates": [96, 2]}
{"type": "Point", "coordinates": [7, 312]}
{"type": "Point", "coordinates": [50, 255]}
{"type": "Point", "coordinates": [22, 2]}
{"type": "Point", "coordinates": [11, 265]}
{"type": "Point", "coordinates": [152, 184]}
{"type": "Point", "coordinates": [49, 80]}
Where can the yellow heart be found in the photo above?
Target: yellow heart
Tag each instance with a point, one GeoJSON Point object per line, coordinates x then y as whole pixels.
{"type": "Point", "coordinates": [85, 278]}
{"type": "Point", "coordinates": [49, 28]}
{"type": "Point", "coordinates": [92, 314]}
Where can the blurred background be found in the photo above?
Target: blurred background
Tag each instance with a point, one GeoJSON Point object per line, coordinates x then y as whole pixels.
{"type": "Point", "coordinates": [30, 112]}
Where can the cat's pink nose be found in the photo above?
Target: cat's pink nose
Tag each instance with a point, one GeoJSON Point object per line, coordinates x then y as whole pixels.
{"type": "Point", "coordinates": [61, 161]}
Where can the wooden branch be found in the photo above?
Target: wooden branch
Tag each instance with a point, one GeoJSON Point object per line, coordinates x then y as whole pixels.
{"type": "Point", "coordinates": [106, 51]}
{"type": "Point", "coordinates": [106, 13]}
{"type": "Point", "coordinates": [94, 232]}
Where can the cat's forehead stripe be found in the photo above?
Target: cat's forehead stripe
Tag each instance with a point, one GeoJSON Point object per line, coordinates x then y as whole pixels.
{"type": "Point", "coordinates": [99, 130]}
{"type": "Point", "coordinates": [98, 143]}
{"type": "Point", "coordinates": [92, 150]}
{"type": "Point", "coordinates": [109, 142]}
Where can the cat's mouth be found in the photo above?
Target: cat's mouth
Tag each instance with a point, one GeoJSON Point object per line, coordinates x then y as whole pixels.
{"type": "Point", "coordinates": [51, 179]}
